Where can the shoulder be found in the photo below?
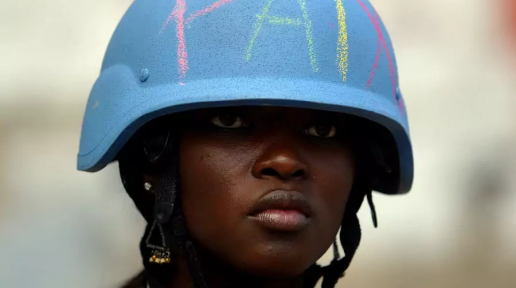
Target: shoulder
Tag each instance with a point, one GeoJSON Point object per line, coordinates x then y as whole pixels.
{"type": "Point", "coordinates": [138, 281]}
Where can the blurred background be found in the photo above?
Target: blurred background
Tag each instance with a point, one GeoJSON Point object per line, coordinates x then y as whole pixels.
{"type": "Point", "coordinates": [62, 228]}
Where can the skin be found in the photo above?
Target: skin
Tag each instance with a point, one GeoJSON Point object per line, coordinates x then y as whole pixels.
{"type": "Point", "coordinates": [230, 159]}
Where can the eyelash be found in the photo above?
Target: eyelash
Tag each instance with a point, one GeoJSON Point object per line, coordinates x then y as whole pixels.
{"type": "Point", "coordinates": [218, 122]}
{"type": "Point", "coordinates": [333, 131]}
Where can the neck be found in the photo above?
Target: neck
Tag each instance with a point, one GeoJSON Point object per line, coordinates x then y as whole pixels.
{"type": "Point", "coordinates": [220, 275]}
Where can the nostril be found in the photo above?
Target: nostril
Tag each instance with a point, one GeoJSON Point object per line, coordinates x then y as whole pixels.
{"type": "Point", "coordinates": [298, 174]}
{"type": "Point", "coordinates": [270, 172]}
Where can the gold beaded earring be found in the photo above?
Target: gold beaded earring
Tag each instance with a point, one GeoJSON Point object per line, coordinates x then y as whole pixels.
{"type": "Point", "coordinates": [160, 254]}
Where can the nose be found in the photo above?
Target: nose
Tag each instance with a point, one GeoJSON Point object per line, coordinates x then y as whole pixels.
{"type": "Point", "coordinates": [280, 161]}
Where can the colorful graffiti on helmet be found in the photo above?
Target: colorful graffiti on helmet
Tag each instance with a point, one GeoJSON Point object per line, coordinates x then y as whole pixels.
{"type": "Point", "coordinates": [281, 21]}
{"type": "Point", "coordinates": [180, 8]}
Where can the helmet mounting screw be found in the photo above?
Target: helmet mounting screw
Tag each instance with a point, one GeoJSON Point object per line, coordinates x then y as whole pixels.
{"type": "Point", "coordinates": [144, 75]}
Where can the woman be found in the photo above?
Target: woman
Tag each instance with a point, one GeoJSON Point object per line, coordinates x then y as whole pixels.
{"type": "Point", "coordinates": [248, 133]}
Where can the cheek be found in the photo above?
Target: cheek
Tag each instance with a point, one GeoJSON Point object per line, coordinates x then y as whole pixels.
{"type": "Point", "coordinates": [334, 175]}
{"type": "Point", "coordinates": [209, 177]}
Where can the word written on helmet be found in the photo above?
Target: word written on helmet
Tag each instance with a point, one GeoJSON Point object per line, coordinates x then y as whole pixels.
{"type": "Point", "coordinates": [179, 11]}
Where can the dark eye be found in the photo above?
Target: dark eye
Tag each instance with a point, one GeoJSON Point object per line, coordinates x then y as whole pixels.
{"type": "Point", "coordinates": [322, 130]}
{"type": "Point", "coordinates": [228, 121]}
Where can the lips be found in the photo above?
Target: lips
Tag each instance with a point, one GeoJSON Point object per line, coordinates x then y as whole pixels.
{"type": "Point", "coordinates": [283, 211]}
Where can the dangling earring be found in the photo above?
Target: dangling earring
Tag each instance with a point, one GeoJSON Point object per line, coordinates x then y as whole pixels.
{"type": "Point", "coordinates": [160, 253]}
{"type": "Point", "coordinates": [154, 148]}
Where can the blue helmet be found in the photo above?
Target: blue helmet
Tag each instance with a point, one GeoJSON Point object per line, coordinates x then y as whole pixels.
{"type": "Point", "coordinates": [168, 56]}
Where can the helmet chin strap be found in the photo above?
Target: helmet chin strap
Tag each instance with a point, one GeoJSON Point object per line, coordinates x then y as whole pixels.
{"type": "Point", "coordinates": [168, 214]}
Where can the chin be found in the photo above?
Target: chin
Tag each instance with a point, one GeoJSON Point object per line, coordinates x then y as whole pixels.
{"type": "Point", "coordinates": [281, 265]}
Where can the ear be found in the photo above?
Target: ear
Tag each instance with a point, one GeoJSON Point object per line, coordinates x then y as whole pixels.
{"type": "Point", "coordinates": [134, 184]}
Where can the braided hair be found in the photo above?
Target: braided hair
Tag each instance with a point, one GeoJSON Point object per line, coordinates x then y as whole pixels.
{"type": "Point", "coordinates": [371, 167]}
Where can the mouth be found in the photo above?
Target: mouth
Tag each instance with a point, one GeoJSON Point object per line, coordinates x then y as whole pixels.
{"type": "Point", "coordinates": [282, 211]}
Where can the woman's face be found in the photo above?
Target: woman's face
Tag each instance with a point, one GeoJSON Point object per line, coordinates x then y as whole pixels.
{"type": "Point", "coordinates": [265, 188]}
